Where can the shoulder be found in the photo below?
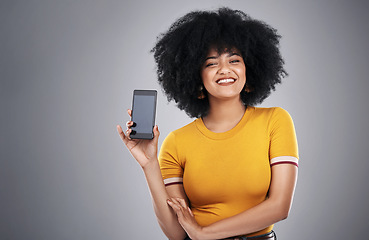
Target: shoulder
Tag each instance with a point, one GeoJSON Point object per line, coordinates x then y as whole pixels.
{"type": "Point", "coordinates": [270, 117]}
{"type": "Point", "coordinates": [183, 132]}
{"type": "Point", "coordinates": [267, 112]}
{"type": "Point", "coordinates": [180, 140]}
{"type": "Point", "coordinates": [271, 112]}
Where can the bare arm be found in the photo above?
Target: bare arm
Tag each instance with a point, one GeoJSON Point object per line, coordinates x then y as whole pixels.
{"type": "Point", "coordinates": [270, 211]}
{"type": "Point", "coordinates": [145, 152]}
{"type": "Point", "coordinates": [166, 217]}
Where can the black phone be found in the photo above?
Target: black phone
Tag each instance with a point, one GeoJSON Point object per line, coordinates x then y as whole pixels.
{"type": "Point", "coordinates": [143, 114]}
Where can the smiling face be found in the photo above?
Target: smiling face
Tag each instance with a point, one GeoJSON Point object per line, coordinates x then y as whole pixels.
{"type": "Point", "coordinates": [223, 75]}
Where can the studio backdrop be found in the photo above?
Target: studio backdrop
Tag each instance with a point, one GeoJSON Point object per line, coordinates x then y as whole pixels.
{"type": "Point", "coordinates": [67, 73]}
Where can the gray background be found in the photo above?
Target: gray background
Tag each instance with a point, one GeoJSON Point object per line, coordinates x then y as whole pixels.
{"type": "Point", "coordinates": [68, 69]}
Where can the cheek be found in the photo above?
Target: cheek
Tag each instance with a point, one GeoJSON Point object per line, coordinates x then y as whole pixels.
{"type": "Point", "coordinates": [242, 73]}
{"type": "Point", "coordinates": [206, 76]}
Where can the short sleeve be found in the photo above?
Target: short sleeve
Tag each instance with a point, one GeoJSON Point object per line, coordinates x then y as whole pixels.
{"type": "Point", "coordinates": [283, 146]}
{"type": "Point", "coordinates": [170, 167]}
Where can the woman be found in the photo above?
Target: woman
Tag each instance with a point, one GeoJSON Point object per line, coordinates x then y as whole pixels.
{"type": "Point", "coordinates": [231, 173]}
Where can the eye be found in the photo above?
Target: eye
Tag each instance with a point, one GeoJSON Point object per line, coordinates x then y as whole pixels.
{"type": "Point", "coordinates": [210, 64]}
{"type": "Point", "coordinates": [235, 61]}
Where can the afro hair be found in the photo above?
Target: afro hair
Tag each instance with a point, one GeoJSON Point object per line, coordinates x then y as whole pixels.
{"type": "Point", "coordinates": [181, 51]}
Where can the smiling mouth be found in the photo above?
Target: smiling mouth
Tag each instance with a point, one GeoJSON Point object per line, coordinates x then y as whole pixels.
{"type": "Point", "coordinates": [225, 81]}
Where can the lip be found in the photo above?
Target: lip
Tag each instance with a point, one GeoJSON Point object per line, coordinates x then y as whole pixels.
{"type": "Point", "coordinates": [225, 81]}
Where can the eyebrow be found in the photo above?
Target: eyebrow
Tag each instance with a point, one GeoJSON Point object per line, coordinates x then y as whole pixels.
{"type": "Point", "coordinates": [230, 54]}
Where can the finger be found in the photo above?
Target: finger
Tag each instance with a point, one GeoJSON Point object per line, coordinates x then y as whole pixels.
{"type": "Point", "coordinates": [175, 206]}
{"type": "Point", "coordinates": [121, 134]}
{"type": "Point", "coordinates": [156, 132]}
{"type": "Point", "coordinates": [128, 133]}
{"type": "Point", "coordinates": [129, 111]}
{"type": "Point", "coordinates": [182, 207]}
{"type": "Point", "coordinates": [129, 124]}
{"type": "Point", "coordinates": [182, 202]}
{"type": "Point", "coordinates": [189, 210]}
{"type": "Point", "coordinates": [175, 200]}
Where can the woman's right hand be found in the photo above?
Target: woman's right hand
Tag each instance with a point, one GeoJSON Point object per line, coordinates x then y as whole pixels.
{"type": "Point", "coordinates": [144, 151]}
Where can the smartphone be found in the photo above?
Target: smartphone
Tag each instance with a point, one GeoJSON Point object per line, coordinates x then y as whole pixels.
{"type": "Point", "coordinates": [143, 114]}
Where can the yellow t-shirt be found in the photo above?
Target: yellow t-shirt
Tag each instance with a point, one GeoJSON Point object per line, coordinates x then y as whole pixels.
{"type": "Point", "coordinates": [226, 173]}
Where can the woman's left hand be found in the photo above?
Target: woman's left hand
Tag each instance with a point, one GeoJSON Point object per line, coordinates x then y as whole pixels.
{"type": "Point", "coordinates": [186, 218]}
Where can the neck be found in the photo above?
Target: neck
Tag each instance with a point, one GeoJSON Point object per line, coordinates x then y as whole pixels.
{"type": "Point", "coordinates": [224, 114]}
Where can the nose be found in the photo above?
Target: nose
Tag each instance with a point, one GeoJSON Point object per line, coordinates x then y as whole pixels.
{"type": "Point", "coordinates": [224, 68]}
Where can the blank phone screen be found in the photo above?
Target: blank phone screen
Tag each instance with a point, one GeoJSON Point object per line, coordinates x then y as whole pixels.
{"type": "Point", "coordinates": [143, 113]}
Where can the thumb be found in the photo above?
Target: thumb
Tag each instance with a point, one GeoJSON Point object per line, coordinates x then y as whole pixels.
{"type": "Point", "coordinates": [156, 133]}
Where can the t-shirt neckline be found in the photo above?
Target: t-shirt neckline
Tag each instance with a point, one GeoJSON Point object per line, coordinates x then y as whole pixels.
{"type": "Point", "coordinates": [223, 135]}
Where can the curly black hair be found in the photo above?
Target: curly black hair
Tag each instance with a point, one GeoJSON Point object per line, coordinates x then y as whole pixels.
{"type": "Point", "coordinates": [181, 51]}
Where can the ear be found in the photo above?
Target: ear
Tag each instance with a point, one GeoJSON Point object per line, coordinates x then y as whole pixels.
{"type": "Point", "coordinates": [248, 88]}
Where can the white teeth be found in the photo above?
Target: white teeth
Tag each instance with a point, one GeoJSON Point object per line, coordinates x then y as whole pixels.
{"type": "Point", "coordinates": [226, 80]}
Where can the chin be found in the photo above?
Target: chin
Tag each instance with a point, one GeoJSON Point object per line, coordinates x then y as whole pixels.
{"type": "Point", "coordinates": [228, 96]}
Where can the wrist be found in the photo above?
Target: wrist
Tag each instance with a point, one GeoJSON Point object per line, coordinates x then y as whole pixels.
{"type": "Point", "coordinates": [206, 233]}
{"type": "Point", "coordinates": [201, 234]}
{"type": "Point", "coordinates": [150, 165]}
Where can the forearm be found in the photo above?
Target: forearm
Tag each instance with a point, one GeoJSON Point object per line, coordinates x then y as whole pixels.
{"type": "Point", "coordinates": [268, 212]}
{"type": "Point", "coordinates": [166, 217]}
{"type": "Point", "coordinates": [249, 221]}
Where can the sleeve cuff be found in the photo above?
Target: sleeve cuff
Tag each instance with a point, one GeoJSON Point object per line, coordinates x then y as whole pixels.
{"type": "Point", "coordinates": [173, 180]}
{"type": "Point", "coordinates": [284, 160]}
